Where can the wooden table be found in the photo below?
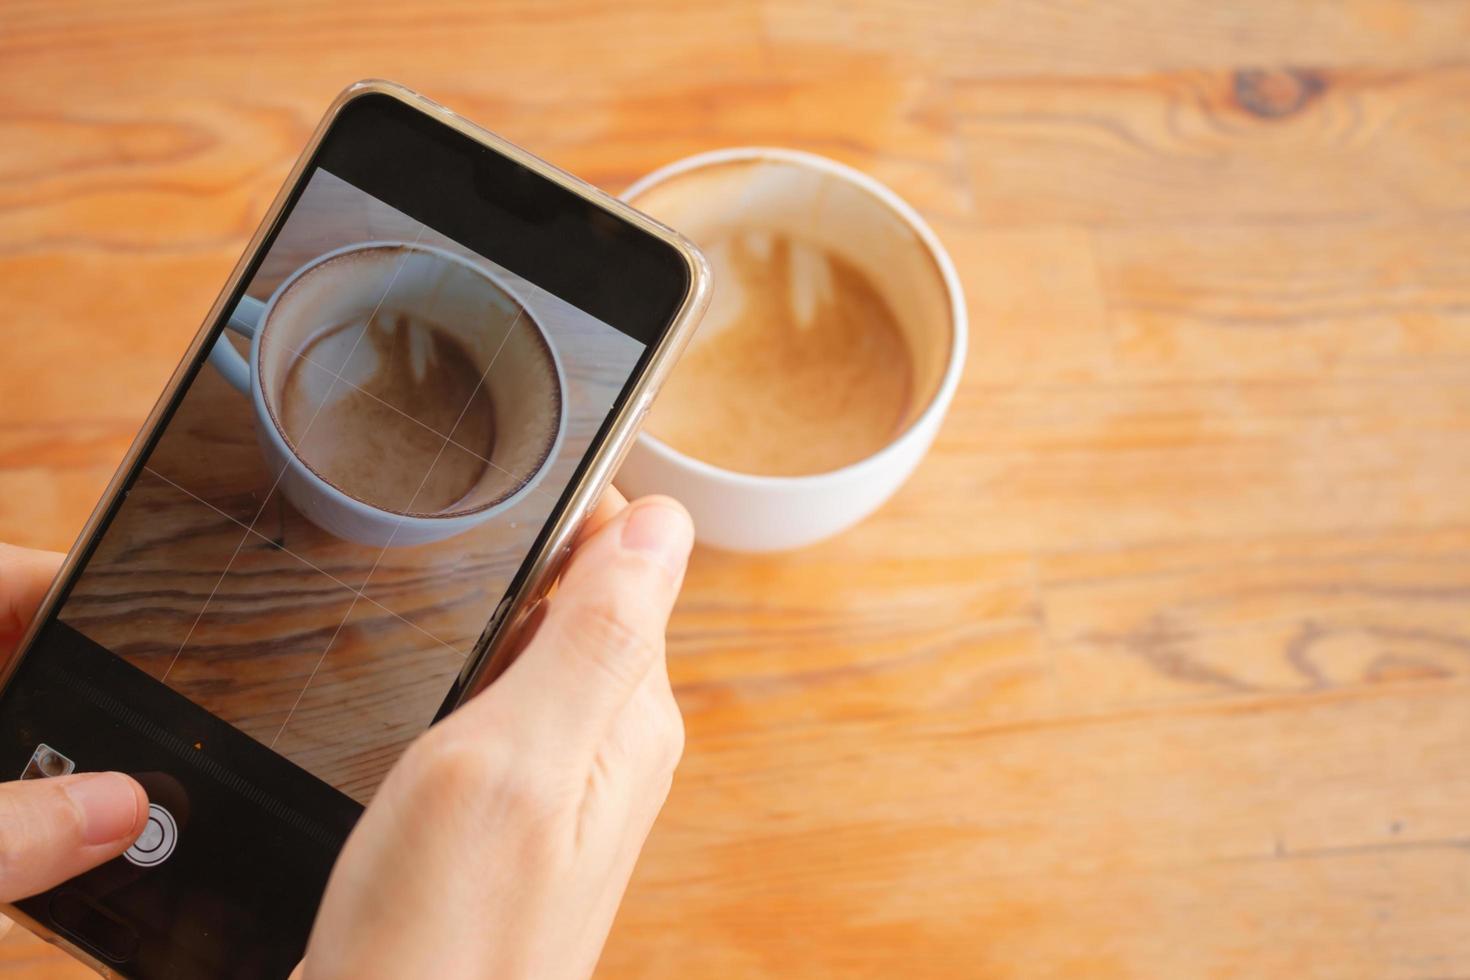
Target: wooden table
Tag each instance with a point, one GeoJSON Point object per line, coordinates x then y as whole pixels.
{"type": "Point", "coordinates": [1158, 667]}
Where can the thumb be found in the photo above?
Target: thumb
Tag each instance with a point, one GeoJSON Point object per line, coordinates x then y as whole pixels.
{"type": "Point", "coordinates": [54, 829]}
{"type": "Point", "coordinates": [604, 627]}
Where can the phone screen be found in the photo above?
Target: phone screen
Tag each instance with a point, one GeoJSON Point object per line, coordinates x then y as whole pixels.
{"type": "Point", "coordinates": [421, 358]}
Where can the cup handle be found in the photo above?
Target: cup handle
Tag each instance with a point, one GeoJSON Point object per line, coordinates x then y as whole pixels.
{"type": "Point", "coordinates": [245, 321]}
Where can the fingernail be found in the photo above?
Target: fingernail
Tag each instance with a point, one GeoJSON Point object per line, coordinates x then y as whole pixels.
{"type": "Point", "coordinates": [662, 532]}
{"type": "Point", "coordinates": [108, 805]}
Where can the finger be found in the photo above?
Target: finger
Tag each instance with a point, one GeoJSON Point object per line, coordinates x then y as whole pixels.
{"type": "Point", "coordinates": [604, 628]}
{"type": "Point", "coordinates": [609, 505]}
{"type": "Point", "coordinates": [54, 829]}
{"type": "Point", "coordinates": [643, 746]}
{"type": "Point", "coordinates": [25, 575]}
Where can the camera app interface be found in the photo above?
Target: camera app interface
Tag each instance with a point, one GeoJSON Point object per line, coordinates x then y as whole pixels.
{"type": "Point", "coordinates": [349, 484]}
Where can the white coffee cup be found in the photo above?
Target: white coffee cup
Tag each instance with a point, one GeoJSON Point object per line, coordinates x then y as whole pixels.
{"type": "Point", "coordinates": [837, 208]}
{"type": "Point", "coordinates": [524, 377]}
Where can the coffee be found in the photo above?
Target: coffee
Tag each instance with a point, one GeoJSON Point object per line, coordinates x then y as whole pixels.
{"type": "Point", "coordinates": [377, 426]}
{"type": "Point", "coordinates": [800, 366]}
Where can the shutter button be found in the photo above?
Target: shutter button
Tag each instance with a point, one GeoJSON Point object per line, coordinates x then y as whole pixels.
{"type": "Point", "coordinates": [157, 840]}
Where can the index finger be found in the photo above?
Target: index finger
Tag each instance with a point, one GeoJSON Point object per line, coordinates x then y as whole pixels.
{"type": "Point", "coordinates": [25, 575]}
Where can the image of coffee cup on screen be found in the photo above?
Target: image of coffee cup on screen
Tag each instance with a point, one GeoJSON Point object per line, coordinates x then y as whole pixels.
{"type": "Point", "coordinates": [349, 485]}
{"type": "Point", "coordinates": [368, 363]}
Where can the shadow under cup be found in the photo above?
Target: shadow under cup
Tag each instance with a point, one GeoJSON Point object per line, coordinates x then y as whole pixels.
{"type": "Point", "coordinates": [390, 370]}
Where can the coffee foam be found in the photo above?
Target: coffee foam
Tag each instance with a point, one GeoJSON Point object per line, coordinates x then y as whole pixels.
{"type": "Point", "coordinates": [379, 431]}
{"type": "Point", "coordinates": [403, 373]}
{"type": "Point", "coordinates": [799, 367]}
{"type": "Point", "coordinates": [853, 264]}
{"type": "Point", "coordinates": [835, 216]}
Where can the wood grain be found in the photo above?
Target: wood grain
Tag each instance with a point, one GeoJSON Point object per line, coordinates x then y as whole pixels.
{"type": "Point", "coordinates": [1156, 668]}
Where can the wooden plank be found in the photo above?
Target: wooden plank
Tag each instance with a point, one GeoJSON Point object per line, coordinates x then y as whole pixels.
{"type": "Point", "coordinates": [1238, 618]}
{"type": "Point", "coordinates": [1038, 311]}
{"type": "Point", "coordinates": [515, 48]}
{"type": "Point", "coordinates": [1290, 301]}
{"type": "Point", "coordinates": [25, 955]}
{"type": "Point", "coordinates": [1324, 832]}
{"type": "Point", "coordinates": [1012, 38]}
{"type": "Point", "coordinates": [1333, 915]}
{"type": "Point", "coordinates": [1110, 465]}
{"type": "Point", "coordinates": [1187, 149]}
{"type": "Point", "coordinates": [838, 636]}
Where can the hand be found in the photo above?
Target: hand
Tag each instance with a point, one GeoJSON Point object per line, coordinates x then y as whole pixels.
{"type": "Point", "coordinates": [502, 841]}
{"type": "Point", "coordinates": [54, 829]}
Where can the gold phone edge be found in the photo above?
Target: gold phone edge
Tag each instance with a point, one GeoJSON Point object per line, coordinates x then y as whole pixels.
{"type": "Point", "coordinates": [512, 611]}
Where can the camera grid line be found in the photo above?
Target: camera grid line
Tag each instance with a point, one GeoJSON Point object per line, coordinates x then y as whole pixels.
{"type": "Point", "coordinates": [309, 564]}
{"type": "Point", "coordinates": [466, 407]}
{"type": "Point", "coordinates": [394, 408]}
{"type": "Point", "coordinates": [266, 499]}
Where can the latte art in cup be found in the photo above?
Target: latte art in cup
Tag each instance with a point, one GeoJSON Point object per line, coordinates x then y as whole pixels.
{"type": "Point", "coordinates": [832, 348]}
{"type": "Point", "coordinates": [799, 366]}
{"type": "Point", "coordinates": [403, 394]}
{"type": "Point", "coordinates": [378, 429]}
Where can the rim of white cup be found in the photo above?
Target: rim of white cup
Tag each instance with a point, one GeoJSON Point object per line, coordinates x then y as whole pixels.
{"type": "Point", "coordinates": [277, 431]}
{"type": "Point", "coordinates": [959, 324]}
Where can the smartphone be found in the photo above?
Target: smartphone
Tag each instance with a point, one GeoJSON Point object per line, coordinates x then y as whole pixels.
{"type": "Point", "coordinates": [358, 484]}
